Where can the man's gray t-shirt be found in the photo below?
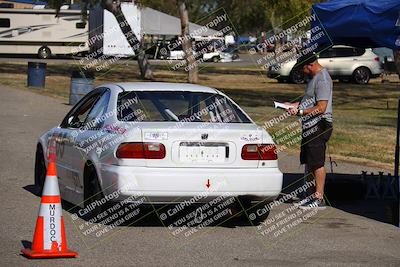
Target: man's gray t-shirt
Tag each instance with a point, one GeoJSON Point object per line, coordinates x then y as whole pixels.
{"type": "Point", "coordinates": [318, 88]}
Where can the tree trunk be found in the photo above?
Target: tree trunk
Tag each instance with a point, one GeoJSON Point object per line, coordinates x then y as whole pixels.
{"type": "Point", "coordinates": [137, 46]}
{"type": "Point", "coordinates": [397, 60]}
{"type": "Point", "coordinates": [275, 22]}
{"type": "Point", "coordinates": [191, 63]}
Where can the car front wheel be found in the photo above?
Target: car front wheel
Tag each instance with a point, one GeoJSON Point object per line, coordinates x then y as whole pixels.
{"type": "Point", "coordinates": [361, 75]}
{"type": "Point", "coordinates": [215, 59]}
{"type": "Point", "coordinates": [297, 76]}
{"type": "Point", "coordinates": [40, 169]}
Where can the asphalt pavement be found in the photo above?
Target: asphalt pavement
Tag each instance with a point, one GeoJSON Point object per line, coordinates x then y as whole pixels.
{"type": "Point", "coordinates": [331, 237]}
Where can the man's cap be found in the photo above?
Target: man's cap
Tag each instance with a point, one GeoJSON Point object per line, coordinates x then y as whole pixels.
{"type": "Point", "coordinates": [305, 59]}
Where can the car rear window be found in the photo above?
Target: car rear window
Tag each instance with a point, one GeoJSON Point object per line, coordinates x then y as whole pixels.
{"type": "Point", "coordinates": [178, 106]}
{"type": "Point", "coordinates": [359, 51]}
{"type": "Point", "coordinates": [344, 52]}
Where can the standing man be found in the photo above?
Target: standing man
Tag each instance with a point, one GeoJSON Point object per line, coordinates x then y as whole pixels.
{"type": "Point", "coordinates": [315, 110]}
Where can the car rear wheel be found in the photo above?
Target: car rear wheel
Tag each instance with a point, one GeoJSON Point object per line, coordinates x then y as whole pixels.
{"type": "Point", "coordinates": [40, 168]}
{"type": "Point", "coordinates": [297, 76]}
{"type": "Point", "coordinates": [255, 213]}
{"type": "Point", "coordinates": [44, 52]}
{"type": "Point", "coordinates": [361, 75]}
{"type": "Point", "coordinates": [92, 192]}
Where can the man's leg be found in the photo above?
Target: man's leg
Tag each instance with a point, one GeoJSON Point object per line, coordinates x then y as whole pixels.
{"type": "Point", "coordinates": [308, 177]}
{"type": "Point", "coordinates": [320, 175]}
{"type": "Point", "coordinates": [309, 191]}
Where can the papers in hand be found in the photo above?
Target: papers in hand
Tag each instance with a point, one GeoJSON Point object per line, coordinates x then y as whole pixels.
{"type": "Point", "coordinates": [281, 105]}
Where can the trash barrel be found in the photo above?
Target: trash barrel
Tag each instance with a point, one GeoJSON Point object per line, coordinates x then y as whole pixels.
{"type": "Point", "coordinates": [81, 84]}
{"type": "Point", "coordinates": [36, 74]}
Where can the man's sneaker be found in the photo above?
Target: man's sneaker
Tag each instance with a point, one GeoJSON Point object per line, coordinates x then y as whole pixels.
{"type": "Point", "coordinates": [302, 202]}
{"type": "Point", "coordinates": [314, 203]}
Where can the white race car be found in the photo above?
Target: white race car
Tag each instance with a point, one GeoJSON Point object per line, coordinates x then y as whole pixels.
{"type": "Point", "coordinates": [168, 142]}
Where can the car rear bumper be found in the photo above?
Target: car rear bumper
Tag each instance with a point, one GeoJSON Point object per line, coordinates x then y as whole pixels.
{"type": "Point", "coordinates": [275, 75]}
{"type": "Point", "coordinates": [173, 185]}
{"type": "Point", "coordinates": [272, 75]}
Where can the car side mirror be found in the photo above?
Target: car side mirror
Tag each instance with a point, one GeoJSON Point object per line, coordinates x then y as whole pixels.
{"type": "Point", "coordinates": [74, 122]}
{"type": "Point", "coordinates": [70, 119]}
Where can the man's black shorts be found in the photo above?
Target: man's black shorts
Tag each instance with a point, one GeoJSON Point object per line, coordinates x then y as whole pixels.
{"type": "Point", "coordinates": [313, 144]}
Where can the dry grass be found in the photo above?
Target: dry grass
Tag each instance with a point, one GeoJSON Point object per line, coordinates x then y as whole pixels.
{"type": "Point", "coordinates": [364, 116]}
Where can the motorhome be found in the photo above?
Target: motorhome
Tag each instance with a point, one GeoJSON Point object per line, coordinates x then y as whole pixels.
{"type": "Point", "coordinates": [42, 32]}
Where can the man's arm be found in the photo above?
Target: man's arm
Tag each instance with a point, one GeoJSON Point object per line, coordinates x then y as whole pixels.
{"type": "Point", "coordinates": [317, 109]}
{"type": "Point", "coordinates": [293, 105]}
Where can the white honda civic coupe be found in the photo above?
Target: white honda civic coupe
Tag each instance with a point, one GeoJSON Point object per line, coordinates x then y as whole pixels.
{"type": "Point", "coordinates": [168, 142]}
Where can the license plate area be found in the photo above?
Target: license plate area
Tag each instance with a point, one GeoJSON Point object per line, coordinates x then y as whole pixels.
{"type": "Point", "coordinates": [203, 152]}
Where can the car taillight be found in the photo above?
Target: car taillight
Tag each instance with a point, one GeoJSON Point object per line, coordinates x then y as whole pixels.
{"type": "Point", "coordinates": [140, 150]}
{"type": "Point", "coordinates": [376, 59]}
{"type": "Point", "coordinates": [259, 152]}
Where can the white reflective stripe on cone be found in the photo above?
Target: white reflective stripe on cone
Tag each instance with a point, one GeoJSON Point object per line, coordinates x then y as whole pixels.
{"type": "Point", "coordinates": [50, 187]}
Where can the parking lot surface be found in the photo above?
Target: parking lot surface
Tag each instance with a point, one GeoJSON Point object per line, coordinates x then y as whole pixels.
{"type": "Point", "coordinates": [330, 237]}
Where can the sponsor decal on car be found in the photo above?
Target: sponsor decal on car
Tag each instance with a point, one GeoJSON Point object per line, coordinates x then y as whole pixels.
{"type": "Point", "coordinates": [156, 135]}
{"type": "Point", "coordinates": [250, 137]}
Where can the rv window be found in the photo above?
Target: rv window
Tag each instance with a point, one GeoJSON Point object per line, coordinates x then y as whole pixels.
{"type": "Point", "coordinates": [4, 23]}
{"type": "Point", "coordinates": [80, 25]}
{"type": "Point", "coordinates": [6, 5]}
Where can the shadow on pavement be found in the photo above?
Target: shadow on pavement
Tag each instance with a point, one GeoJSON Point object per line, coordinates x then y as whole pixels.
{"type": "Point", "coordinates": [374, 197]}
{"type": "Point", "coordinates": [33, 189]}
{"type": "Point", "coordinates": [26, 244]}
{"type": "Point", "coordinates": [150, 214]}
{"type": "Point", "coordinates": [357, 194]}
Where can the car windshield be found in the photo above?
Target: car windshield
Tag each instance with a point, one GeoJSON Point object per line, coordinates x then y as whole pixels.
{"type": "Point", "coordinates": [183, 106]}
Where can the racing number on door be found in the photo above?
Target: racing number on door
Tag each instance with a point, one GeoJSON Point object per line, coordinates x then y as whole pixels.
{"type": "Point", "coordinates": [59, 139]}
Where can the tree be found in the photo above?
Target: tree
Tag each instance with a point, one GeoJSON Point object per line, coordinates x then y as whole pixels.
{"type": "Point", "coordinates": [278, 12]}
{"type": "Point", "coordinates": [197, 9]}
{"type": "Point", "coordinates": [191, 63]}
{"type": "Point", "coordinates": [248, 16]}
{"type": "Point", "coordinates": [114, 7]}
{"type": "Point", "coordinates": [396, 54]}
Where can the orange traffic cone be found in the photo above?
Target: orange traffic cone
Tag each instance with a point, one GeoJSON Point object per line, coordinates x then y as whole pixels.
{"type": "Point", "coordinates": [49, 240]}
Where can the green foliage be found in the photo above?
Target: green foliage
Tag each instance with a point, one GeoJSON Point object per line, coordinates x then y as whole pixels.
{"type": "Point", "coordinates": [281, 12]}
{"type": "Point", "coordinates": [251, 16]}
{"type": "Point", "coordinates": [197, 9]}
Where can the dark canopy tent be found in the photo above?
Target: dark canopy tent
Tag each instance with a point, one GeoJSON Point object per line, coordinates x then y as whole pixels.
{"type": "Point", "coordinates": [361, 23]}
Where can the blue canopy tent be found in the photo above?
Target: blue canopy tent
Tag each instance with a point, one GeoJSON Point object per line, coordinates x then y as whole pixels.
{"type": "Point", "coordinates": [362, 23]}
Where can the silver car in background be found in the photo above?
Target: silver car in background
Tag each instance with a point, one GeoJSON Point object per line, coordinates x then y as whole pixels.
{"type": "Point", "coordinates": [345, 63]}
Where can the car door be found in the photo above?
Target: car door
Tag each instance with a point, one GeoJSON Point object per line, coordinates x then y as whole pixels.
{"type": "Point", "coordinates": [57, 139]}
{"type": "Point", "coordinates": [90, 138]}
{"type": "Point", "coordinates": [343, 61]}
{"type": "Point", "coordinates": [361, 58]}
{"type": "Point", "coordinates": [71, 128]}
{"type": "Point", "coordinates": [326, 59]}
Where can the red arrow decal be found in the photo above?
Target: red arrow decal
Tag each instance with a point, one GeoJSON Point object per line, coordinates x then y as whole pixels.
{"type": "Point", "coordinates": [208, 183]}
